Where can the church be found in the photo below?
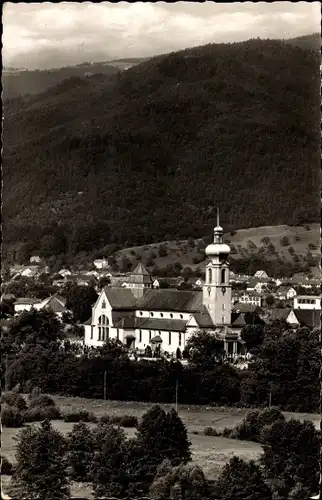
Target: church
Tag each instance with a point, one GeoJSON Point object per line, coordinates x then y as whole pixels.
{"type": "Point", "coordinates": [145, 318]}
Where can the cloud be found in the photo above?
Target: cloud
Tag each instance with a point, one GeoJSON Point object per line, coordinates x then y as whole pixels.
{"type": "Point", "coordinates": [46, 35]}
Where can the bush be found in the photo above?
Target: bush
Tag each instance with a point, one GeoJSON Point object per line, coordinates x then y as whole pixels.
{"type": "Point", "coordinates": [284, 241]}
{"type": "Point", "coordinates": [14, 399]}
{"type": "Point", "coordinates": [11, 416]}
{"type": "Point", "coordinates": [227, 432]}
{"type": "Point", "coordinates": [210, 431]}
{"type": "Point", "coordinates": [40, 413]}
{"type": "Point", "coordinates": [6, 467]}
{"type": "Point", "coordinates": [251, 427]}
{"type": "Point", "coordinates": [41, 401]}
{"type": "Point", "coordinates": [121, 420]}
{"type": "Point", "coordinates": [80, 416]}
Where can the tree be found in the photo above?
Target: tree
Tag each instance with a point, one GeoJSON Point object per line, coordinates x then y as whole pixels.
{"type": "Point", "coordinates": [205, 347]}
{"type": "Point", "coordinates": [162, 251]}
{"type": "Point", "coordinates": [80, 445]}
{"type": "Point", "coordinates": [108, 470]}
{"type": "Point", "coordinates": [30, 328]}
{"type": "Point", "coordinates": [187, 273]}
{"type": "Point", "coordinates": [104, 281]}
{"type": "Point", "coordinates": [253, 336]}
{"type": "Point", "coordinates": [163, 436]}
{"type": "Point", "coordinates": [41, 469]}
{"type": "Point", "coordinates": [125, 265]}
{"type": "Point", "coordinates": [240, 480]}
{"type": "Point", "coordinates": [184, 482]}
{"type": "Point", "coordinates": [79, 299]}
{"type": "Point", "coordinates": [284, 241]}
{"type": "Point", "coordinates": [269, 300]}
{"type": "Point", "coordinates": [291, 452]}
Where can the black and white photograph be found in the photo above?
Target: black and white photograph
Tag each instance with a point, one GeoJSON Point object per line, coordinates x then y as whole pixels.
{"type": "Point", "coordinates": [160, 258]}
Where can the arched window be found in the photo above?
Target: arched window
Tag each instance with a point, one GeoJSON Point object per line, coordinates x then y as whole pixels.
{"type": "Point", "coordinates": [223, 275]}
{"type": "Point", "coordinates": [209, 275]}
{"type": "Point", "coordinates": [103, 304]}
{"type": "Point", "coordinates": [103, 329]}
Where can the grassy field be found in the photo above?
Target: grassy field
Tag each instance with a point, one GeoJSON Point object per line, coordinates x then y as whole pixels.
{"type": "Point", "coordinates": [299, 237]}
{"type": "Point", "coordinates": [211, 453]}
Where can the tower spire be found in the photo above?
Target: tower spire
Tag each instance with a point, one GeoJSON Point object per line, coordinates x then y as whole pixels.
{"type": "Point", "coordinates": [217, 216]}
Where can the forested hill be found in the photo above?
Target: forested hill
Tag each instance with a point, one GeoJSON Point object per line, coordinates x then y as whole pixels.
{"type": "Point", "coordinates": [20, 82]}
{"type": "Point", "coordinates": [146, 155]}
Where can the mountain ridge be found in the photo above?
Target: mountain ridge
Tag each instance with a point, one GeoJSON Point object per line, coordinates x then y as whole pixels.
{"type": "Point", "coordinates": [154, 149]}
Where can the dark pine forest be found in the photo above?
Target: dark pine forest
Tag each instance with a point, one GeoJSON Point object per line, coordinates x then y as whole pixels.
{"type": "Point", "coordinates": [145, 155]}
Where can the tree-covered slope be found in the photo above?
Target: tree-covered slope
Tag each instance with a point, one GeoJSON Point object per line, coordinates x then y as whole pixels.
{"type": "Point", "coordinates": [18, 83]}
{"type": "Point", "coordinates": [146, 156]}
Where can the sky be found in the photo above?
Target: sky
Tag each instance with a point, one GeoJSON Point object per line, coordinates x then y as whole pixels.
{"type": "Point", "coordinates": [47, 35]}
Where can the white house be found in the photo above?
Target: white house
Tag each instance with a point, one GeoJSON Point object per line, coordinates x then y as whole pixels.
{"type": "Point", "coordinates": [251, 298]}
{"type": "Point", "coordinates": [257, 285]}
{"type": "Point", "coordinates": [146, 318]}
{"type": "Point", "coordinates": [25, 304]}
{"type": "Point", "coordinates": [30, 271]}
{"type": "Point", "coordinates": [261, 275]}
{"type": "Point", "coordinates": [54, 303]}
{"type": "Point", "coordinates": [285, 292]}
{"type": "Point", "coordinates": [101, 263]}
{"type": "Point", "coordinates": [35, 259]}
{"type": "Point", "coordinates": [64, 272]}
{"type": "Point", "coordinates": [307, 302]}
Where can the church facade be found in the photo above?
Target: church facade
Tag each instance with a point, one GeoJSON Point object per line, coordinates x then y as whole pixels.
{"type": "Point", "coordinates": [145, 318]}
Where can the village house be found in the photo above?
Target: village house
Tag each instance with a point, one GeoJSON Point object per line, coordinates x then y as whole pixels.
{"type": "Point", "coordinates": [64, 272]}
{"type": "Point", "coordinates": [307, 302]}
{"type": "Point", "coordinates": [101, 263]}
{"type": "Point", "coordinates": [296, 318]}
{"type": "Point", "coordinates": [257, 285]}
{"type": "Point", "coordinates": [151, 319]}
{"type": "Point", "coordinates": [251, 298]}
{"type": "Point", "coordinates": [285, 292]}
{"type": "Point", "coordinates": [35, 259]}
{"type": "Point", "coordinates": [54, 303]}
{"type": "Point", "coordinates": [261, 275]}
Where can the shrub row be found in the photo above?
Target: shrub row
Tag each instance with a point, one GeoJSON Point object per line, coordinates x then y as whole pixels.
{"type": "Point", "coordinates": [251, 427]}
{"type": "Point", "coordinates": [15, 412]}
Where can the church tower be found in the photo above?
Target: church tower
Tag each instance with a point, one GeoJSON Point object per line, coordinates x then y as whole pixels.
{"type": "Point", "coordinates": [139, 281]}
{"type": "Point", "coordinates": [217, 289]}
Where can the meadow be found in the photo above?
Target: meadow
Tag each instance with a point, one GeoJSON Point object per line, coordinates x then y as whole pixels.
{"type": "Point", "coordinates": [300, 238]}
{"type": "Point", "coordinates": [209, 452]}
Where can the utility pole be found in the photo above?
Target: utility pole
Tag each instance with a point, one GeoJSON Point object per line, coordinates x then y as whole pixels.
{"type": "Point", "coordinates": [105, 385]}
{"type": "Point", "coordinates": [270, 395]}
{"type": "Point", "coordinates": [6, 373]}
{"type": "Point", "coordinates": [176, 396]}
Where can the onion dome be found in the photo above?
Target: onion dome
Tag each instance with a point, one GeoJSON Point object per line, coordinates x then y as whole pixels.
{"type": "Point", "coordinates": [218, 248]}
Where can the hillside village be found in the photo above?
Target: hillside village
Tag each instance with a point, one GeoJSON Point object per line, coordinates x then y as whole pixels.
{"type": "Point", "coordinates": [154, 316]}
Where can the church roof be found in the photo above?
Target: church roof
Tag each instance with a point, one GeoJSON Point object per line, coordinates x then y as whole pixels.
{"type": "Point", "coordinates": [126, 322]}
{"type": "Point", "coordinates": [120, 298]}
{"type": "Point", "coordinates": [237, 319]}
{"type": "Point", "coordinates": [175, 325]}
{"type": "Point", "coordinates": [171, 300]}
{"type": "Point", "coordinates": [203, 318]}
